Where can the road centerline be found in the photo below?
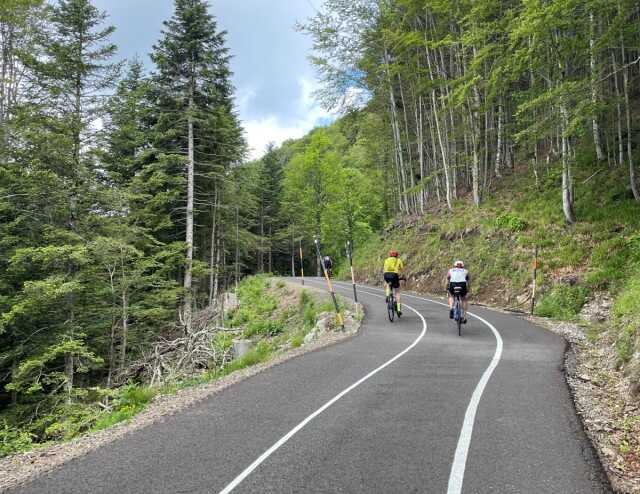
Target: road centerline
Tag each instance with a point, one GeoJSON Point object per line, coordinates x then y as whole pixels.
{"type": "Point", "coordinates": [283, 440]}
{"type": "Point", "coordinates": [458, 467]}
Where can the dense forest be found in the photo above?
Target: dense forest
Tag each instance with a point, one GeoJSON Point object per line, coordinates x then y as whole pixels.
{"type": "Point", "coordinates": [128, 206]}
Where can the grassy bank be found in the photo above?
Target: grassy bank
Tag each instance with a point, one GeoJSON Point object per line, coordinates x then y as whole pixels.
{"type": "Point", "coordinates": [598, 255]}
{"type": "Point", "coordinates": [273, 316]}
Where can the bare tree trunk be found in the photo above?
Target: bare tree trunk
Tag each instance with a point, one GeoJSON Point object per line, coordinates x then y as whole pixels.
{"type": "Point", "coordinates": [69, 373]}
{"type": "Point", "coordinates": [498, 163]}
{"type": "Point", "coordinates": [625, 86]}
{"type": "Point", "coordinates": [188, 296]}
{"type": "Point", "coordinates": [475, 136]}
{"type": "Point", "coordinates": [270, 259]}
{"type": "Point", "coordinates": [567, 179]}
{"type": "Point", "coordinates": [219, 249]}
{"type": "Point", "coordinates": [112, 338]}
{"type": "Point", "coordinates": [410, 181]}
{"type": "Point", "coordinates": [594, 89]}
{"type": "Point", "coordinates": [125, 313]}
{"type": "Point", "coordinates": [212, 247]}
{"type": "Point", "coordinates": [618, 110]}
{"type": "Point", "coordinates": [443, 151]}
{"type": "Point", "coordinates": [261, 254]}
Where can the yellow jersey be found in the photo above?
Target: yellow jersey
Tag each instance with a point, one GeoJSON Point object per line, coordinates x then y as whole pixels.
{"type": "Point", "coordinates": [393, 265]}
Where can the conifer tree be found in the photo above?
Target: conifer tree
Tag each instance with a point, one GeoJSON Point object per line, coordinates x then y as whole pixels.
{"type": "Point", "coordinates": [194, 91]}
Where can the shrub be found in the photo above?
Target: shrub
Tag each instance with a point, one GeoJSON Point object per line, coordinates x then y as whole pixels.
{"type": "Point", "coordinates": [297, 340]}
{"type": "Point", "coordinates": [13, 440]}
{"type": "Point", "coordinates": [263, 327]}
{"type": "Point", "coordinates": [562, 302]}
{"type": "Point", "coordinates": [511, 222]}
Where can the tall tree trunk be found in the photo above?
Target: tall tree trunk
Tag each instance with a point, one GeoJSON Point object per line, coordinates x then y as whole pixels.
{"type": "Point", "coordinates": [625, 86]}
{"type": "Point", "coordinates": [125, 312]}
{"type": "Point", "coordinates": [618, 110]}
{"type": "Point", "coordinates": [498, 163]}
{"type": "Point", "coordinates": [567, 179]}
{"type": "Point", "coordinates": [475, 137]}
{"type": "Point", "coordinates": [443, 150]}
{"type": "Point", "coordinates": [270, 250]}
{"type": "Point", "coordinates": [69, 373]}
{"type": "Point", "coordinates": [219, 249]}
{"type": "Point", "coordinates": [594, 88]}
{"type": "Point", "coordinates": [188, 296]}
{"type": "Point", "coordinates": [212, 245]}
{"type": "Point", "coordinates": [261, 253]}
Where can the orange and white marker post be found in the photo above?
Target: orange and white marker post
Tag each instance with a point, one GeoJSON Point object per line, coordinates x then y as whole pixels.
{"type": "Point", "coordinates": [329, 285]}
{"type": "Point", "coordinates": [353, 275]}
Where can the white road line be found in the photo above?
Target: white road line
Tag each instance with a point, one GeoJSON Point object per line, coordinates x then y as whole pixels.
{"type": "Point", "coordinates": [247, 471]}
{"type": "Point", "coordinates": [456, 476]}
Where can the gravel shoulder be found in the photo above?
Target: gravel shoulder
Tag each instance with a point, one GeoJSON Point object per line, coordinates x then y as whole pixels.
{"type": "Point", "coordinates": [609, 415]}
{"type": "Point", "coordinates": [18, 469]}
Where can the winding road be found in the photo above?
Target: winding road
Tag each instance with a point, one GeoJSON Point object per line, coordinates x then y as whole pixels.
{"type": "Point", "coordinates": [407, 407]}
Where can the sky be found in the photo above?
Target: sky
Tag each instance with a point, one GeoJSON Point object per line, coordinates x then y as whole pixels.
{"type": "Point", "coordinates": [273, 78]}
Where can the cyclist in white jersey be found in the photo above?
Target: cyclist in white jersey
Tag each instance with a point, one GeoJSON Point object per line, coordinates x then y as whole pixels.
{"type": "Point", "coordinates": [458, 277]}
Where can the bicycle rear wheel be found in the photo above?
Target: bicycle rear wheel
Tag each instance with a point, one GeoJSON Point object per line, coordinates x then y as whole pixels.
{"type": "Point", "coordinates": [391, 308]}
{"type": "Point", "coordinates": [458, 316]}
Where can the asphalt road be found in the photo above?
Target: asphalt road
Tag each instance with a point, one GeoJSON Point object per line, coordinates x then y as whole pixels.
{"type": "Point", "coordinates": [406, 407]}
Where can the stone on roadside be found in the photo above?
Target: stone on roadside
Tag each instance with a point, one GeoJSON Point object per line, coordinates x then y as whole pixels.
{"type": "Point", "coordinates": [240, 347]}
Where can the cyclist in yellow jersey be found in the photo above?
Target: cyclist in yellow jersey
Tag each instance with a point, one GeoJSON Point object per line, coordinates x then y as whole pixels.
{"type": "Point", "coordinates": [393, 266]}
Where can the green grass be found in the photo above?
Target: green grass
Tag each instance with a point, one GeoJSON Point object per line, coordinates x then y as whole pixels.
{"type": "Point", "coordinates": [562, 302]}
{"type": "Point", "coordinates": [260, 318]}
{"type": "Point", "coordinates": [603, 248]}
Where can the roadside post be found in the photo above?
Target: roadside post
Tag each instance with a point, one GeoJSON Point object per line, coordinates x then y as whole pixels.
{"type": "Point", "coordinates": [301, 263]}
{"type": "Point", "coordinates": [353, 276]}
{"type": "Point", "coordinates": [536, 265]}
{"type": "Point", "coordinates": [329, 284]}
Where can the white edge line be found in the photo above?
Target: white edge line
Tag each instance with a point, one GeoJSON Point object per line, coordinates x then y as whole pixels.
{"type": "Point", "coordinates": [456, 476]}
{"type": "Point", "coordinates": [247, 471]}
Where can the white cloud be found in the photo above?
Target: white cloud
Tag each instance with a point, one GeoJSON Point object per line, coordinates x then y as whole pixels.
{"type": "Point", "coordinates": [261, 131]}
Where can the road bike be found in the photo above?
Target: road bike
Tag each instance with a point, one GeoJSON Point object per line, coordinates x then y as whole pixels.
{"type": "Point", "coordinates": [458, 313]}
{"type": "Point", "coordinates": [392, 305]}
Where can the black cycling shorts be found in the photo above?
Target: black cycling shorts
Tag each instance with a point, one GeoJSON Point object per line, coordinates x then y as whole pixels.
{"type": "Point", "coordinates": [461, 284]}
{"type": "Point", "coordinates": [393, 279]}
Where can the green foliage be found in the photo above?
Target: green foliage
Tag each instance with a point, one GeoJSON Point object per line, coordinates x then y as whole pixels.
{"type": "Point", "coordinates": [510, 222]}
{"type": "Point", "coordinates": [13, 440]}
{"type": "Point", "coordinates": [266, 327]}
{"type": "Point", "coordinates": [255, 302]}
{"type": "Point", "coordinates": [562, 302]}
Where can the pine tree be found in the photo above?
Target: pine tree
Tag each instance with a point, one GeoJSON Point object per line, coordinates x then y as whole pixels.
{"type": "Point", "coordinates": [194, 92]}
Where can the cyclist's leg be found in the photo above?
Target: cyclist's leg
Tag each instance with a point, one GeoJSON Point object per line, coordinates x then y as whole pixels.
{"type": "Point", "coordinates": [465, 305]}
{"type": "Point", "coordinates": [450, 299]}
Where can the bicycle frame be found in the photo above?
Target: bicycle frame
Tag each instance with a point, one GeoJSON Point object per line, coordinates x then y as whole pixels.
{"type": "Point", "coordinates": [457, 310]}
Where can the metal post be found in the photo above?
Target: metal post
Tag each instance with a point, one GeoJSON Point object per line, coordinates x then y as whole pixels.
{"type": "Point", "coordinates": [301, 263]}
{"type": "Point", "coordinates": [329, 285]}
{"type": "Point", "coordinates": [353, 276]}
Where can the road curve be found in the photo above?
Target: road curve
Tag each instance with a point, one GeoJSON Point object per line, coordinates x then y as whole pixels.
{"type": "Point", "coordinates": [387, 411]}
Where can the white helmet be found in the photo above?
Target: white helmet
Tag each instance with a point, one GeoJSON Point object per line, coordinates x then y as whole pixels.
{"type": "Point", "coordinates": [459, 264]}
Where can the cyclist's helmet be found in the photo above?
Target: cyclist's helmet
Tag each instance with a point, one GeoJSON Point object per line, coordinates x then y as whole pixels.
{"type": "Point", "coordinates": [393, 253]}
{"type": "Point", "coordinates": [458, 264]}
